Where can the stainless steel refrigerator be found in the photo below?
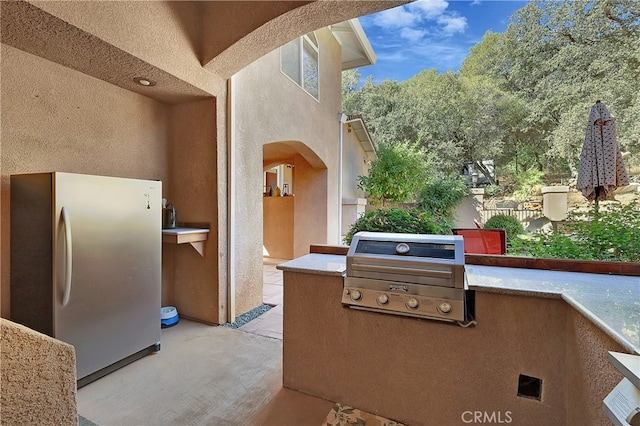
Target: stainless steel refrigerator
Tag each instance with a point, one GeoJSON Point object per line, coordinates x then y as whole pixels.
{"type": "Point", "coordinates": [86, 265]}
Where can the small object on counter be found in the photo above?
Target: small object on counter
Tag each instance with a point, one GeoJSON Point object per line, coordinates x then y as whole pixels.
{"type": "Point", "coordinates": [278, 193]}
{"type": "Point", "coordinates": [170, 217]}
{"type": "Point", "coordinates": [168, 317]}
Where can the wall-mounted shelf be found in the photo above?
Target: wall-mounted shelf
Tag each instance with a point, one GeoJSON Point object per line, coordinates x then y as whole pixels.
{"type": "Point", "coordinates": [194, 236]}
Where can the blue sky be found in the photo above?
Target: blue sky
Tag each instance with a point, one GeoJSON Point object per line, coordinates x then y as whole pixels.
{"type": "Point", "coordinates": [431, 34]}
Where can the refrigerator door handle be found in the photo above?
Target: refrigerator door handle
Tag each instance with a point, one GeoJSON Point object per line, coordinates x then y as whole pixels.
{"type": "Point", "coordinates": [68, 259]}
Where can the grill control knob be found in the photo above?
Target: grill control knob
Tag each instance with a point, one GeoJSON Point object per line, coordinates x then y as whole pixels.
{"type": "Point", "coordinates": [403, 248]}
{"type": "Point", "coordinates": [355, 294]}
{"type": "Point", "coordinates": [444, 308]}
{"type": "Point", "coordinates": [383, 299]}
{"type": "Point", "coordinates": [412, 303]}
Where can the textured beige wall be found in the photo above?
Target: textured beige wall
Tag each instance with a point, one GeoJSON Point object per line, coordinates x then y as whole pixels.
{"type": "Point", "coordinates": [116, 41]}
{"type": "Point", "coordinates": [167, 35]}
{"type": "Point", "coordinates": [238, 47]}
{"type": "Point", "coordinates": [590, 375]}
{"type": "Point", "coordinates": [37, 378]}
{"type": "Point", "coordinates": [278, 213]}
{"type": "Point", "coordinates": [351, 356]}
{"type": "Point", "coordinates": [194, 192]}
{"type": "Point", "coordinates": [353, 164]}
{"type": "Point", "coordinates": [470, 209]}
{"type": "Point", "coordinates": [312, 194]}
{"type": "Point", "coordinates": [57, 119]}
{"type": "Point", "coordinates": [278, 110]}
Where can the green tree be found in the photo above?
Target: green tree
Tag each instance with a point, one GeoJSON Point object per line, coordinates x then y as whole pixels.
{"type": "Point", "coordinates": [397, 175]}
{"type": "Point", "coordinates": [521, 98]}
{"type": "Point", "coordinates": [350, 93]}
{"type": "Point", "coordinates": [432, 105]}
{"type": "Point", "coordinates": [562, 56]}
{"type": "Point", "coordinates": [439, 198]}
{"type": "Point", "coordinates": [379, 105]}
{"type": "Point", "coordinates": [487, 68]}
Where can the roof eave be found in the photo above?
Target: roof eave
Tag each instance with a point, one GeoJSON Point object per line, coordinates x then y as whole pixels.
{"type": "Point", "coordinates": [362, 133]}
{"type": "Point", "coordinates": [356, 49]}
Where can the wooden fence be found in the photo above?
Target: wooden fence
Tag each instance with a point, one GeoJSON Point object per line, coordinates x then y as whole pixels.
{"type": "Point", "coordinates": [523, 216]}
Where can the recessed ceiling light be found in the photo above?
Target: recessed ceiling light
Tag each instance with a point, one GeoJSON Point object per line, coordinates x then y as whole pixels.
{"type": "Point", "coordinates": [144, 81]}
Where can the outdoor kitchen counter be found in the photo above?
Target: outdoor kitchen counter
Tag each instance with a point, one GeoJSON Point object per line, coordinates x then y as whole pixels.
{"type": "Point", "coordinates": [611, 302]}
{"type": "Point", "coordinates": [317, 264]}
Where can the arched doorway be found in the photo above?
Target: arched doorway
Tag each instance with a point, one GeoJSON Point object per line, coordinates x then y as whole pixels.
{"type": "Point", "coordinates": [293, 221]}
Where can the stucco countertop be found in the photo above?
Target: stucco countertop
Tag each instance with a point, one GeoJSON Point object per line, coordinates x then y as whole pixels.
{"type": "Point", "coordinates": [612, 302]}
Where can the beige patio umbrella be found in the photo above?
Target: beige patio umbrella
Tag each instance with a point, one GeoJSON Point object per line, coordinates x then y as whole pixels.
{"type": "Point", "coordinates": [601, 168]}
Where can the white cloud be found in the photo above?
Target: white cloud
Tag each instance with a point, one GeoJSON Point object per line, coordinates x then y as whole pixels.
{"type": "Point", "coordinates": [416, 20]}
{"type": "Point", "coordinates": [453, 24]}
{"type": "Point", "coordinates": [412, 34]}
{"type": "Point", "coordinates": [430, 8]}
{"type": "Point", "coordinates": [395, 18]}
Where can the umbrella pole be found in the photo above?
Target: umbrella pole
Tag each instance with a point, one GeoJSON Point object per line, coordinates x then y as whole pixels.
{"type": "Point", "coordinates": [601, 128]}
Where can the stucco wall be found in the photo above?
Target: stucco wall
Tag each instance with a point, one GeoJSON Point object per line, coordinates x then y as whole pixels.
{"type": "Point", "coordinates": [351, 356]}
{"type": "Point", "coordinates": [193, 187]}
{"type": "Point", "coordinates": [167, 35]}
{"type": "Point", "coordinates": [590, 375]}
{"type": "Point", "coordinates": [57, 119]}
{"type": "Point", "coordinates": [469, 211]}
{"type": "Point", "coordinates": [174, 43]}
{"type": "Point", "coordinates": [354, 164]}
{"type": "Point", "coordinates": [277, 110]}
{"type": "Point", "coordinates": [278, 214]}
{"type": "Point", "coordinates": [37, 378]}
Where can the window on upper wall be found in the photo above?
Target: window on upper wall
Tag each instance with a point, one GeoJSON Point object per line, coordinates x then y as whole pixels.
{"type": "Point", "coordinates": [299, 61]}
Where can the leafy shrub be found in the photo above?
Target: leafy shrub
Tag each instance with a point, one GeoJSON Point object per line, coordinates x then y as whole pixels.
{"type": "Point", "coordinates": [510, 224]}
{"type": "Point", "coordinates": [397, 175]}
{"type": "Point", "coordinates": [613, 235]}
{"type": "Point", "coordinates": [440, 196]}
{"type": "Point", "coordinates": [394, 219]}
{"type": "Point", "coordinates": [526, 183]}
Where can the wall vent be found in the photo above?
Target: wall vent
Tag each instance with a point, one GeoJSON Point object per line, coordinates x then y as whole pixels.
{"type": "Point", "coordinates": [529, 387]}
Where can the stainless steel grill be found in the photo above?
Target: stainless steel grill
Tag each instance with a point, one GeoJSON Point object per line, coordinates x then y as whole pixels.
{"type": "Point", "coordinates": [408, 274]}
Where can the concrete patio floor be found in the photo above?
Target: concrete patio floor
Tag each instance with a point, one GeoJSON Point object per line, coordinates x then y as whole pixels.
{"type": "Point", "coordinates": [207, 375]}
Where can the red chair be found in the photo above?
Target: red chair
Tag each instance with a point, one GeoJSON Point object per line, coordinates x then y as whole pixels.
{"type": "Point", "coordinates": [483, 241]}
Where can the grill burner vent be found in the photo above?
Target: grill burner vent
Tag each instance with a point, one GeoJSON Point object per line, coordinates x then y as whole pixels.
{"type": "Point", "coordinates": [414, 275]}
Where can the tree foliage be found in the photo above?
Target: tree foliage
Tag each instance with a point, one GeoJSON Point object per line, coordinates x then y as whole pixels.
{"type": "Point", "coordinates": [521, 98]}
{"type": "Point", "coordinates": [397, 175]}
{"type": "Point", "coordinates": [441, 196]}
{"type": "Point", "coordinates": [565, 55]}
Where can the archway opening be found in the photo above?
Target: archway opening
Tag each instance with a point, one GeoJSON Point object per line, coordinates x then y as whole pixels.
{"type": "Point", "coordinates": [294, 199]}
